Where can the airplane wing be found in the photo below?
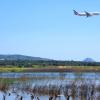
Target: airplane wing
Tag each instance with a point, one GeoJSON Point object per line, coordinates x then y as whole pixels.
{"type": "Point", "coordinates": [88, 14]}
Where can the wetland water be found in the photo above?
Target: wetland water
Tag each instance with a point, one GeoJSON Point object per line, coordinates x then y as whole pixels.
{"type": "Point", "coordinates": [50, 86]}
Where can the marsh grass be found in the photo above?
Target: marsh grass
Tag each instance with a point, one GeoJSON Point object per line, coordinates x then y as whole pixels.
{"type": "Point", "coordinates": [4, 84]}
{"type": "Point", "coordinates": [37, 68]}
{"type": "Point", "coordinates": [11, 69]}
{"type": "Point", "coordinates": [75, 89]}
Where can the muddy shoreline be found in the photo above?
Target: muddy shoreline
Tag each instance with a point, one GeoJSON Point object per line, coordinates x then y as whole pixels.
{"type": "Point", "coordinates": [59, 70]}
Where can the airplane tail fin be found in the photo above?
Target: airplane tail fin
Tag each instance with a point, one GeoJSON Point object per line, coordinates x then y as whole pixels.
{"type": "Point", "coordinates": [75, 12]}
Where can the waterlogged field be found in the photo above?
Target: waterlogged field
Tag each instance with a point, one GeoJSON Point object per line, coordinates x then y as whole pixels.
{"type": "Point", "coordinates": [50, 86]}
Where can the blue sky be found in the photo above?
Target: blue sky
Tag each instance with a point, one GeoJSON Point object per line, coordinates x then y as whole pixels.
{"type": "Point", "coordinates": [48, 28]}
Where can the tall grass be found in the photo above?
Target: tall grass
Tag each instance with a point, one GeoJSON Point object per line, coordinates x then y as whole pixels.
{"type": "Point", "coordinates": [50, 68]}
{"type": "Point", "coordinates": [12, 69]}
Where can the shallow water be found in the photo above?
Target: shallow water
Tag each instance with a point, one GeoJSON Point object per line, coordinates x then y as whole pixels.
{"type": "Point", "coordinates": [60, 86]}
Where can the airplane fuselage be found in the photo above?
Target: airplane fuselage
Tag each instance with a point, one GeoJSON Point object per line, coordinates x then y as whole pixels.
{"type": "Point", "coordinates": [81, 14]}
{"type": "Point", "coordinates": [87, 14]}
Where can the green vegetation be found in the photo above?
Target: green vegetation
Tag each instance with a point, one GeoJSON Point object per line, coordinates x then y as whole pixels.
{"type": "Point", "coordinates": [12, 69]}
{"type": "Point", "coordinates": [36, 68]}
{"type": "Point", "coordinates": [31, 63]}
{"type": "Point", "coordinates": [46, 66]}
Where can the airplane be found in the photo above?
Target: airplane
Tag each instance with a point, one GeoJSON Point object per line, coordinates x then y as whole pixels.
{"type": "Point", "coordinates": [87, 14]}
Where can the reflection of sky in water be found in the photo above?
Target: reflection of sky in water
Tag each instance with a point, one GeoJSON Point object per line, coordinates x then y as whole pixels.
{"type": "Point", "coordinates": [25, 97]}
{"type": "Point", "coordinates": [47, 79]}
{"type": "Point", "coordinates": [51, 75]}
{"type": "Point", "coordinates": [55, 78]}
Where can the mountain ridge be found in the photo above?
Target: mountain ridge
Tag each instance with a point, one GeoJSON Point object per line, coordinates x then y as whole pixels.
{"type": "Point", "coordinates": [32, 58]}
{"type": "Point", "coordinates": [20, 57]}
{"type": "Point", "coordinates": [89, 60]}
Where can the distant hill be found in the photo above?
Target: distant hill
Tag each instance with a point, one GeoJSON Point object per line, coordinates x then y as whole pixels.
{"type": "Point", "coordinates": [21, 57]}
{"type": "Point", "coordinates": [89, 60]}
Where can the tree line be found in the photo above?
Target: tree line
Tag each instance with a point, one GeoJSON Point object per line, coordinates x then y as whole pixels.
{"type": "Point", "coordinates": [30, 63]}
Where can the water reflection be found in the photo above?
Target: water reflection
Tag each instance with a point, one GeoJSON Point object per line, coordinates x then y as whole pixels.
{"type": "Point", "coordinates": [50, 86]}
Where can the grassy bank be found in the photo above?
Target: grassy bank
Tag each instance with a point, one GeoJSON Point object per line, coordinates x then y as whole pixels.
{"type": "Point", "coordinates": [15, 69]}
{"type": "Point", "coordinates": [52, 69]}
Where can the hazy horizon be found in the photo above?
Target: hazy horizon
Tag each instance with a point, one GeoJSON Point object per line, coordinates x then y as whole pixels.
{"type": "Point", "coordinates": [54, 59]}
{"type": "Point", "coordinates": [49, 29]}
